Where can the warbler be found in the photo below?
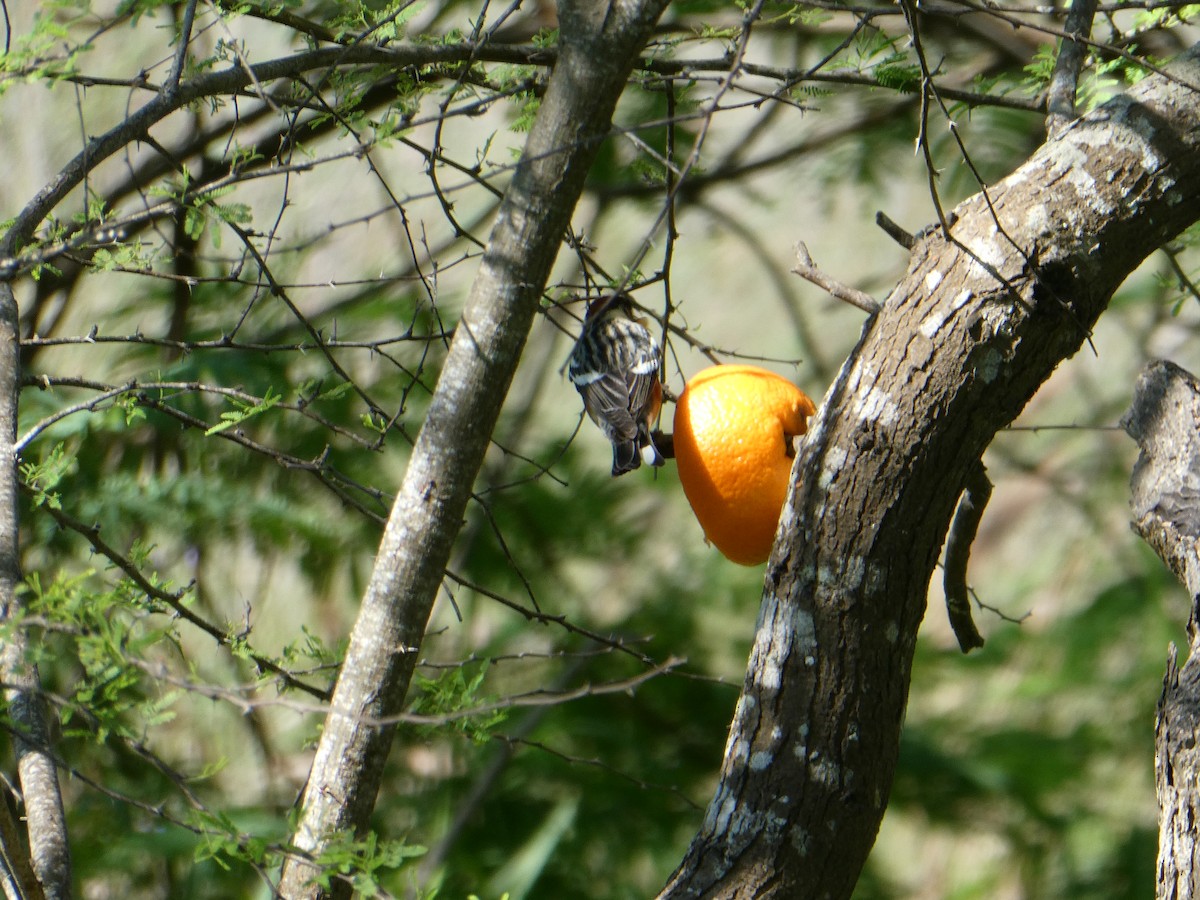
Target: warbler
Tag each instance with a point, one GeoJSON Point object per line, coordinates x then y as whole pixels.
{"type": "Point", "coordinates": [614, 366]}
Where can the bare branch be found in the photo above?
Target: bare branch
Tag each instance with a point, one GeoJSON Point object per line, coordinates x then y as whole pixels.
{"type": "Point", "coordinates": [1060, 99]}
{"type": "Point", "coordinates": [894, 231]}
{"type": "Point", "coordinates": [976, 493]}
{"type": "Point", "coordinates": [226, 81]}
{"type": "Point", "coordinates": [1185, 281]}
{"type": "Point", "coordinates": [174, 599]}
{"type": "Point", "coordinates": [807, 270]}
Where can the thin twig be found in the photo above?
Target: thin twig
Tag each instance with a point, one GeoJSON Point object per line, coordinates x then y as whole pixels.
{"type": "Point", "coordinates": [733, 66]}
{"type": "Point", "coordinates": [928, 92]}
{"type": "Point", "coordinates": [539, 697]}
{"type": "Point", "coordinates": [616, 643]}
{"type": "Point", "coordinates": [807, 270]}
{"type": "Point", "coordinates": [894, 231]}
{"type": "Point", "coordinates": [173, 599]}
{"type": "Point", "coordinates": [514, 741]}
{"type": "Point", "coordinates": [1185, 283]}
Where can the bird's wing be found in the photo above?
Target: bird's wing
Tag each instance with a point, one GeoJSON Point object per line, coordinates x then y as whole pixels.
{"type": "Point", "coordinates": [606, 397]}
{"type": "Point", "coordinates": [639, 388]}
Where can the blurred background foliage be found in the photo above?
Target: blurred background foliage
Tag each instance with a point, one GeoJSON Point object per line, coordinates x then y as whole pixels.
{"type": "Point", "coordinates": [219, 400]}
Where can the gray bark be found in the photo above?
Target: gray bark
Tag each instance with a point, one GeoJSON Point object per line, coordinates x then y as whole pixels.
{"type": "Point", "coordinates": [1060, 96]}
{"type": "Point", "coordinates": [979, 321]}
{"type": "Point", "coordinates": [46, 828]}
{"type": "Point", "coordinates": [598, 46]}
{"type": "Point", "coordinates": [1166, 513]}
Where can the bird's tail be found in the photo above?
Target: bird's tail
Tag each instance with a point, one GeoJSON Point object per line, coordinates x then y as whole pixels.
{"type": "Point", "coordinates": [629, 455]}
{"type": "Point", "coordinates": [626, 457]}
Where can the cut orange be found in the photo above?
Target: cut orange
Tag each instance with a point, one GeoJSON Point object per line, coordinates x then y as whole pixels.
{"type": "Point", "coordinates": [733, 445]}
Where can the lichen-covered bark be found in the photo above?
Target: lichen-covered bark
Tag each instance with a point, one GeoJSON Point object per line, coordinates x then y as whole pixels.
{"type": "Point", "coordinates": [598, 46]}
{"type": "Point", "coordinates": [977, 324]}
{"type": "Point", "coordinates": [1166, 513]}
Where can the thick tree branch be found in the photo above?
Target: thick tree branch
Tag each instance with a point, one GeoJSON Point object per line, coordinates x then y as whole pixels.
{"type": "Point", "coordinates": [16, 870]}
{"type": "Point", "coordinates": [1166, 513]}
{"type": "Point", "coordinates": [1166, 478]}
{"type": "Point", "coordinates": [981, 319]}
{"type": "Point", "coordinates": [44, 817]}
{"type": "Point", "coordinates": [598, 46]}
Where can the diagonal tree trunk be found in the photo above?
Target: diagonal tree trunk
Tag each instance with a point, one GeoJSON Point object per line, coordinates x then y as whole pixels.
{"type": "Point", "coordinates": [598, 46]}
{"type": "Point", "coordinates": [978, 323]}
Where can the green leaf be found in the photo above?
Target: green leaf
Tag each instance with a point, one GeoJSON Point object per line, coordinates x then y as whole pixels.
{"type": "Point", "coordinates": [244, 412]}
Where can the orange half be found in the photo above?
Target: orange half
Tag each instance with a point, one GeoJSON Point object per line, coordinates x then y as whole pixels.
{"type": "Point", "coordinates": [734, 427]}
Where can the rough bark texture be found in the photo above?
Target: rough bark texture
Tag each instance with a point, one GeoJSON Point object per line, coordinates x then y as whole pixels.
{"type": "Point", "coordinates": [1166, 513]}
{"type": "Point", "coordinates": [977, 324]}
{"type": "Point", "coordinates": [598, 46]}
{"type": "Point", "coordinates": [45, 821]}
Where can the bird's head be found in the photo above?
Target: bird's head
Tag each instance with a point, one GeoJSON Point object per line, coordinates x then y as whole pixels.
{"type": "Point", "coordinates": [610, 304]}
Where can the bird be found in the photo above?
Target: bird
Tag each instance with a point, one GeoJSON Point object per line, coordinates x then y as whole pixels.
{"type": "Point", "coordinates": [614, 366]}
